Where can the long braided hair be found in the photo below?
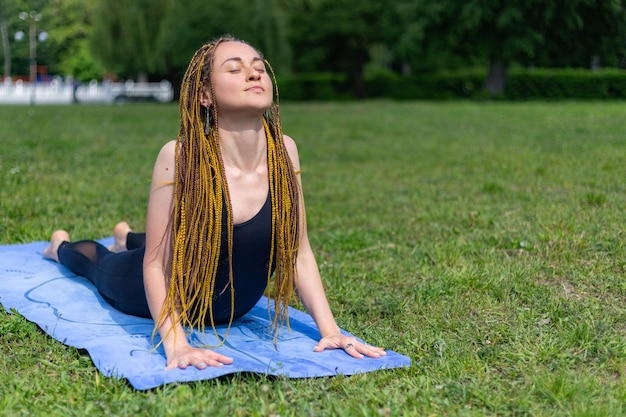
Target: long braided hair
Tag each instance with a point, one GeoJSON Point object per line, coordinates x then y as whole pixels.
{"type": "Point", "coordinates": [200, 191]}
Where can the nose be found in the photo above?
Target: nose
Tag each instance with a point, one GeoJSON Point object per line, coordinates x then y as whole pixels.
{"type": "Point", "coordinates": [253, 74]}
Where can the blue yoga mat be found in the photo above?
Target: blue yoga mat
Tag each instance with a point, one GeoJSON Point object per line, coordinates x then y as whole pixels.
{"type": "Point", "coordinates": [69, 309]}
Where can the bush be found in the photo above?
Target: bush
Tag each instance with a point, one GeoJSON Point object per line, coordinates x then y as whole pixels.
{"type": "Point", "coordinates": [565, 84]}
{"type": "Point", "coordinates": [310, 87]}
{"type": "Point", "coordinates": [521, 84]}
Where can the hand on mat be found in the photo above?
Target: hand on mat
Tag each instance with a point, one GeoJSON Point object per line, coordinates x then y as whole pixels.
{"type": "Point", "coordinates": [350, 345]}
{"type": "Point", "coordinates": [200, 358]}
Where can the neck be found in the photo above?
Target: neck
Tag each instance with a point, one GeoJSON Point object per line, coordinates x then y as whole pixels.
{"type": "Point", "coordinates": [243, 144]}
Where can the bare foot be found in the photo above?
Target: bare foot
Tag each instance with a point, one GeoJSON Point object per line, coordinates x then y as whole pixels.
{"type": "Point", "coordinates": [120, 232]}
{"type": "Point", "coordinates": [58, 237]}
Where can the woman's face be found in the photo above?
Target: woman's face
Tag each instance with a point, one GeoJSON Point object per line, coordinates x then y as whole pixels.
{"type": "Point", "coordinates": [240, 80]}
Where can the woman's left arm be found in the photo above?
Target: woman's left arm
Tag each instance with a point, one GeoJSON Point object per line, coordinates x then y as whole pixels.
{"type": "Point", "coordinates": [311, 290]}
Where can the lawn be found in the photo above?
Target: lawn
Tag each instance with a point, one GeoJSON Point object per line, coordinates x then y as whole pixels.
{"type": "Point", "coordinates": [484, 240]}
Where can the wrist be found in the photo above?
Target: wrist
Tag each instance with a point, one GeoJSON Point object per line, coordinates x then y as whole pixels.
{"type": "Point", "coordinates": [174, 342]}
{"type": "Point", "coordinates": [330, 330]}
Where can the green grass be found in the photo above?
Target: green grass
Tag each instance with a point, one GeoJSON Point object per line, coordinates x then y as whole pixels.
{"type": "Point", "coordinates": [483, 240]}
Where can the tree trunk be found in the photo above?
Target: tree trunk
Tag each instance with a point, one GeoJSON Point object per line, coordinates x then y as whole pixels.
{"type": "Point", "coordinates": [6, 47]}
{"type": "Point", "coordinates": [496, 78]}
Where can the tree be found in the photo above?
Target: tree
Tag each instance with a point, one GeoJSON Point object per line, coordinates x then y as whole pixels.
{"type": "Point", "coordinates": [157, 38]}
{"type": "Point", "coordinates": [65, 51]}
{"type": "Point", "coordinates": [337, 37]}
{"type": "Point", "coordinates": [502, 32]}
{"type": "Point", "coordinates": [6, 46]}
{"type": "Point", "coordinates": [592, 34]}
{"type": "Point", "coordinates": [125, 35]}
{"type": "Point", "coordinates": [16, 52]}
{"type": "Point", "coordinates": [272, 23]}
{"type": "Point", "coordinates": [187, 26]}
{"type": "Point", "coordinates": [70, 23]}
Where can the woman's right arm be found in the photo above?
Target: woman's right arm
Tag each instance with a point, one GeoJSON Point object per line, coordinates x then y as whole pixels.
{"type": "Point", "coordinates": [158, 254]}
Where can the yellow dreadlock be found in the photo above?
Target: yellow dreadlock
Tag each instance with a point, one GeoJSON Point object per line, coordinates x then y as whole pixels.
{"type": "Point", "coordinates": [199, 191]}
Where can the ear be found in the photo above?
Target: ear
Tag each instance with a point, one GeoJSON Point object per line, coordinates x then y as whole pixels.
{"type": "Point", "coordinates": [205, 98]}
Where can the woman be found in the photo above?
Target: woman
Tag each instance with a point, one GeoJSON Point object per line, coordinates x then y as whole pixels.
{"type": "Point", "coordinates": [225, 214]}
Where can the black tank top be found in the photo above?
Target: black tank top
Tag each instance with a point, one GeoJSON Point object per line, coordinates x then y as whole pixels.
{"type": "Point", "coordinates": [251, 253]}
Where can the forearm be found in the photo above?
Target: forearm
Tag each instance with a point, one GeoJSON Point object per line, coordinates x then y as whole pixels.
{"type": "Point", "coordinates": [172, 336]}
{"type": "Point", "coordinates": [313, 297]}
{"type": "Point", "coordinates": [311, 293]}
{"type": "Point", "coordinates": [171, 332]}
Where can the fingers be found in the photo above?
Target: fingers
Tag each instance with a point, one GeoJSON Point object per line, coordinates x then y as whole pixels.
{"type": "Point", "coordinates": [351, 346]}
{"type": "Point", "coordinates": [327, 343]}
{"type": "Point", "coordinates": [199, 359]}
{"type": "Point", "coordinates": [359, 350]}
{"type": "Point", "coordinates": [352, 350]}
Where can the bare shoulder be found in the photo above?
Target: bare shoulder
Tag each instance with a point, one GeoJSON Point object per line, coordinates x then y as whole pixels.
{"type": "Point", "coordinates": [166, 162]}
{"type": "Point", "coordinates": [292, 149]}
{"type": "Point", "coordinates": [168, 150]}
{"type": "Point", "coordinates": [289, 142]}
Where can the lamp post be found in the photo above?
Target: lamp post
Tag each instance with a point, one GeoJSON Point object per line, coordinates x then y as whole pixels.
{"type": "Point", "coordinates": [32, 17]}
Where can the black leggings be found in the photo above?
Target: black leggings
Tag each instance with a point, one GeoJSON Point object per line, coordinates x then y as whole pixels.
{"type": "Point", "coordinates": [117, 276]}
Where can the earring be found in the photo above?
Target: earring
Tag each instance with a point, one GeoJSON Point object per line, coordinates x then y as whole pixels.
{"type": "Point", "coordinates": [208, 121]}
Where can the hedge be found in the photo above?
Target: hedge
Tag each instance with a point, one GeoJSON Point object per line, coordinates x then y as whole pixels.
{"type": "Point", "coordinates": [566, 83]}
{"type": "Point", "coordinates": [521, 84]}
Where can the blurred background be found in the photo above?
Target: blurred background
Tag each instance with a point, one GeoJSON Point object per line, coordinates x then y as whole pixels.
{"type": "Point", "coordinates": [331, 49]}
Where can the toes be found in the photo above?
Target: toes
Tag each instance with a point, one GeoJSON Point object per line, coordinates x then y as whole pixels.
{"type": "Point", "coordinates": [56, 239]}
{"type": "Point", "coordinates": [120, 232]}
{"type": "Point", "coordinates": [121, 229]}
